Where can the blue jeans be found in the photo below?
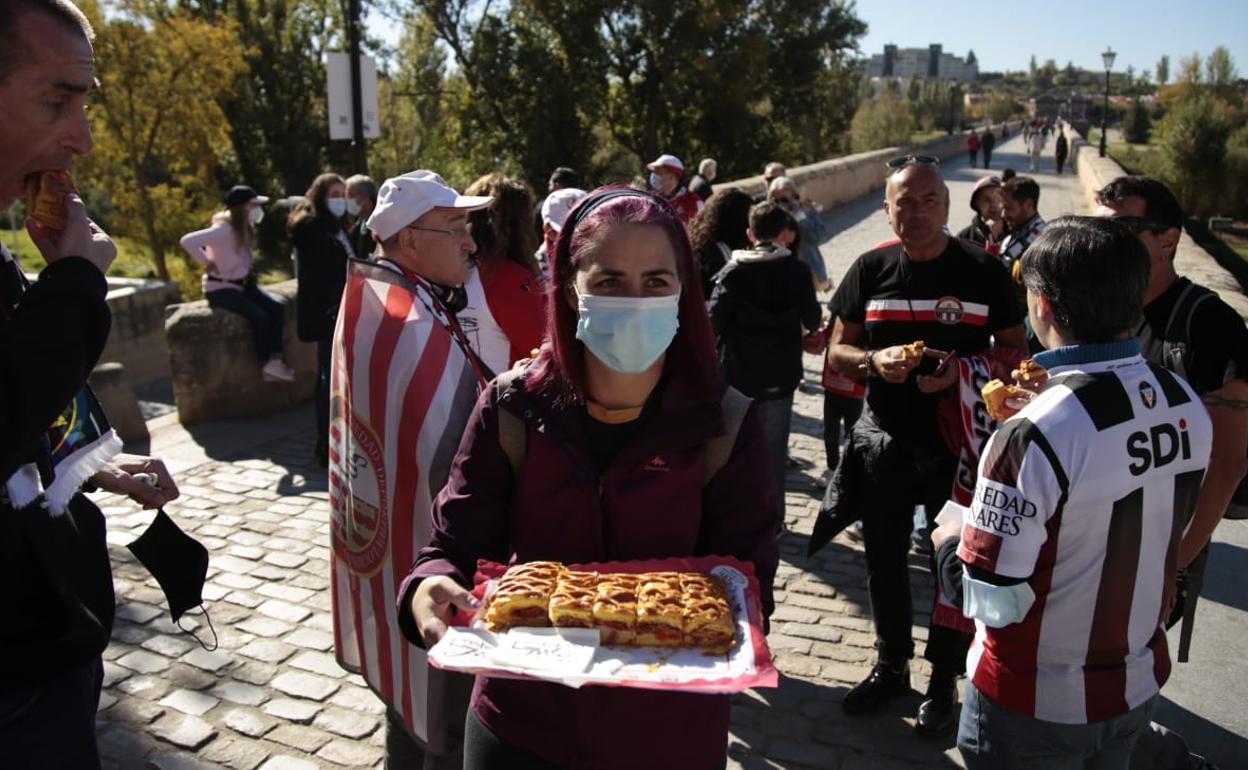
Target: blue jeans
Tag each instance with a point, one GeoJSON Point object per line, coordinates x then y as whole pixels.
{"type": "Point", "coordinates": [991, 736]}
{"type": "Point", "coordinates": [52, 725]}
{"type": "Point", "coordinates": [262, 310]}
{"type": "Point", "coordinates": [777, 421]}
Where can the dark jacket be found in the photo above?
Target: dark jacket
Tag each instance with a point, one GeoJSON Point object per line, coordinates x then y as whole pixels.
{"type": "Point", "coordinates": [320, 254]}
{"type": "Point", "coordinates": [701, 186]}
{"type": "Point", "coordinates": [762, 299]}
{"type": "Point", "coordinates": [54, 572]}
{"type": "Point", "coordinates": [362, 241]}
{"type": "Point", "coordinates": [976, 232]}
{"type": "Point", "coordinates": [649, 503]}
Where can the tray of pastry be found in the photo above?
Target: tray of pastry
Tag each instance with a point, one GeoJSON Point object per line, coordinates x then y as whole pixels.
{"type": "Point", "coordinates": [691, 624]}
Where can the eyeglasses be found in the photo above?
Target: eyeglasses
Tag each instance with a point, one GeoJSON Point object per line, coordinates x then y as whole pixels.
{"type": "Point", "coordinates": [458, 232]}
{"type": "Point", "coordinates": [902, 161]}
{"type": "Point", "coordinates": [1139, 225]}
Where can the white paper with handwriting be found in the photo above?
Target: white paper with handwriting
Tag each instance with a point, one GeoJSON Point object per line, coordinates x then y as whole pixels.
{"type": "Point", "coordinates": [573, 656]}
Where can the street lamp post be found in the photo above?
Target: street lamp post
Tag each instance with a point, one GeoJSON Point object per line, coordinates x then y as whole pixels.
{"type": "Point", "coordinates": [953, 100]}
{"type": "Point", "coordinates": [1108, 59]}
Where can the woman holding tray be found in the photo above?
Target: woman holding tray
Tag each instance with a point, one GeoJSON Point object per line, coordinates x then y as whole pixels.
{"type": "Point", "coordinates": [618, 442]}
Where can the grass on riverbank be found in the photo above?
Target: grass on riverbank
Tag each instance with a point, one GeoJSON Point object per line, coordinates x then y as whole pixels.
{"type": "Point", "coordinates": [134, 260]}
{"type": "Point", "coordinates": [1135, 158]}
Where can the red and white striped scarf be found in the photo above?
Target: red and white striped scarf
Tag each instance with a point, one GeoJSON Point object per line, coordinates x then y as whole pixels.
{"type": "Point", "coordinates": [974, 428]}
{"type": "Point", "coordinates": [402, 389]}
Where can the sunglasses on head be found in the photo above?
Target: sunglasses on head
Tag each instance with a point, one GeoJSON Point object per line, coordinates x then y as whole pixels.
{"type": "Point", "coordinates": [1139, 225]}
{"type": "Point", "coordinates": [902, 161]}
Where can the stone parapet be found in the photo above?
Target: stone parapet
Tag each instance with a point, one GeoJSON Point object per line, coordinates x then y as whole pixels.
{"type": "Point", "coordinates": [1191, 260]}
{"type": "Point", "coordinates": [835, 181]}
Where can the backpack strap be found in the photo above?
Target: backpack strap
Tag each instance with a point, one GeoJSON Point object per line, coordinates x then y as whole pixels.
{"type": "Point", "coordinates": [513, 436]}
{"type": "Point", "coordinates": [734, 406]}
{"type": "Point", "coordinates": [1177, 345]}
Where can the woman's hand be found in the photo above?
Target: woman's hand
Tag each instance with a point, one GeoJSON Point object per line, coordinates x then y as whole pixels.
{"type": "Point", "coordinates": [433, 605]}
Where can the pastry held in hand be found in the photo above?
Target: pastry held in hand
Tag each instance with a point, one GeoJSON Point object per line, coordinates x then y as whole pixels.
{"type": "Point", "coordinates": [913, 351]}
{"type": "Point", "coordinates": [1030, 375]}
{"type": "Point", "coordinates": [45, 197]}
{"type": "Point", "coordinates": [995, 395]}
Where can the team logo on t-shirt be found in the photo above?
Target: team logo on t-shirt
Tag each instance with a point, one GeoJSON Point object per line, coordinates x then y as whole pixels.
{"type": "Point", "coordinates": [949, 310]}
{"type": "Point", "coordinates": [1148, 395]}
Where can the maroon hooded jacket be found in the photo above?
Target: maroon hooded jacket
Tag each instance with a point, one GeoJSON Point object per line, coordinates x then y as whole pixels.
{"type": "Point", "coordinates": [649, 503]}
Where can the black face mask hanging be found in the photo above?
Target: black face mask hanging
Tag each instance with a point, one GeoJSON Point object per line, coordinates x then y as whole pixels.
{"type": "Point", "coordinates": [179, 563]}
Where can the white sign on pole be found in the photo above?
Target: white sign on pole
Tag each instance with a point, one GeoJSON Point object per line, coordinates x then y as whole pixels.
{"type": "Point", "coordinates": [338, 77]}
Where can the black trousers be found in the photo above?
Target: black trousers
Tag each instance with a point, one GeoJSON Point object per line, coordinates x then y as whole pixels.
{"type": "Point", "coordinates": [899, 475]}
{"type": "Point", "coordinates": [52, 725]}
{"type": "Point", "coordinates": [324, 360]}
{"type": "Point", "coordinates": [838, 409]}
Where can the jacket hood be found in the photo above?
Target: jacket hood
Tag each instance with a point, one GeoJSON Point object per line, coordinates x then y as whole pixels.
{"type": "Point", "coordinates": [764, 253]}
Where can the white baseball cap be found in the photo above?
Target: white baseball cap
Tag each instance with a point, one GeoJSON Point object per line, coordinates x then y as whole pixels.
{"type": "Point", "coordinates": [670, 162]}
{"type": "Point", "coordinates": [404, 199]}
{"type": "Point", "coordinates": [559, 204]}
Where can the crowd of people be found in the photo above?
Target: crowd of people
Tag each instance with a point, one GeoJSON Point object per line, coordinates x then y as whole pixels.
{"type": "Point", "coordinates": [609, 375]}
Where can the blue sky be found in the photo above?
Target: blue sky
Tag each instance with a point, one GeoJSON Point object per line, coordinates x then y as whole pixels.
{"type": "Point", "coordinates": [1004, 33]}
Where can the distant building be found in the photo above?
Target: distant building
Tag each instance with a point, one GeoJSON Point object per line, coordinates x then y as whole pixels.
{"type": "Point", "coordinates": [930, 63]}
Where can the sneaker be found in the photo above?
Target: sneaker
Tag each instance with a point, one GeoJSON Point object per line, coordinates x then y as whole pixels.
{"type": "Point", "coordinates": [938, 713]}
{"type": "Point", "coordinates": [276, 370]}
{"type": "Point", "coordinates": [854, 532]}
{"type": "Point", "coordinates": [883, 683]}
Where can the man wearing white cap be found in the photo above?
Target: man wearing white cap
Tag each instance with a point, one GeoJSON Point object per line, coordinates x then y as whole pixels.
{"type": "Point", "coordinates": [403, 385]}
{"type": "Point", "coordinates": [666, 171]}
{"type": "Point", "coordinates": [555, 210]}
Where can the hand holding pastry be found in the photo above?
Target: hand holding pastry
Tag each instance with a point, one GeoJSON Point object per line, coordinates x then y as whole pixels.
{"type": "Point", "coordinates": [58, 223]}
{"type": "Point", "coordinates": [1030, 376]}
{"type": "Point", "coordinates": [1004, 401]}
{"type": "Point", "coordinates": [434, 603]}
{"type": "Point", "coordinates": [894, 364]}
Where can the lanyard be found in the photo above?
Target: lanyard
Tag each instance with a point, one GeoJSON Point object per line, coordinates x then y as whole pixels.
{"type": "Point", "coordinates": [451, 324]}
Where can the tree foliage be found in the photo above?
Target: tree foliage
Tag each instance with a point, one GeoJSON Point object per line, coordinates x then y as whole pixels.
{"type": "Point", "coordinates": [604, 84]}
{"type": "Point", "coordinates": [159, 128]}
{"type": "Point", "coordinates": [880, 122]}
{"type": "Point", "coordinates": [1137, 124]}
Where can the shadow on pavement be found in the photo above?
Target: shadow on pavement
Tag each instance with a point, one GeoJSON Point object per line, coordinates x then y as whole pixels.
{"type": "Point", "coordinates": [1213, 742]}
{"type": "Point", "coordinates": [1227, 564]}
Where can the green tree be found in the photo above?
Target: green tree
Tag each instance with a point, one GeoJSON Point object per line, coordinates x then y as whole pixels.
{"type": "Point", "coordinates": [159, 129]}
{"type": "Point", "coordinates": [1220, 68]}
{"type": "Point", "coordinates": [1137, 123]}
{"type": "Point", "coordinates": [1237, 172]}
{"type": "Point", "coordinates": [880, 122]}
{"type": "Point", "coordinates": [1163, 70]}
{"type": "Point", "coordinates": [1193, 144]}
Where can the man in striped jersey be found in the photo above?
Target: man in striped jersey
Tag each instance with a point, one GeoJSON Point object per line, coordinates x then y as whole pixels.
{"type": "Point", "coordinates": [1067, 556]}
{"type": "Point", "coordinates": [955, 297]}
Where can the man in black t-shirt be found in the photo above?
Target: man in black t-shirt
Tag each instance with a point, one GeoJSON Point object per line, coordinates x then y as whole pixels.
{"type": "Point", "coordinates": [954, 297]}
{"type": "Point", "coordinates": [1208, 346]}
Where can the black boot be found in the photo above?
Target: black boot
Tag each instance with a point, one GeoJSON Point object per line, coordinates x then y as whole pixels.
{"type": "Point", "coordinates": [883, 683]}
{"type": "Point", "coordinates": [938, 713]}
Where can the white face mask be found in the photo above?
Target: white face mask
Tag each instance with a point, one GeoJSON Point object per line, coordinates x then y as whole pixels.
{"type": "Point", "coordinates": [336, 206]}
{"type": "Point", "coordinates": [255, 215]}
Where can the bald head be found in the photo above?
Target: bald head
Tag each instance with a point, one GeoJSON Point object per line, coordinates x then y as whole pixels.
{"type": "Point", "coordinates": [916, 201]}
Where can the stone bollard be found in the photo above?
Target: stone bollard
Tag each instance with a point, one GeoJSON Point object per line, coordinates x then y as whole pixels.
{"type": "Point", "coordinates": [108, 380]}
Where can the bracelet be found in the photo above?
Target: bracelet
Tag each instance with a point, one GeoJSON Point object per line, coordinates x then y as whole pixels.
{"type": "Point", "coordinates": [868, 362]}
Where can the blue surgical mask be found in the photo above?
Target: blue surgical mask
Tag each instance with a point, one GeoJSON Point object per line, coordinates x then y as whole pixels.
{"type": "Point", "coordinates": [336, 206]}
{"type": "Point", "coordinates": [656, 182]}
{"type": "Point", "coordinates": [353, 207]}
{"type": "Point", "coordinates": [627, 334]}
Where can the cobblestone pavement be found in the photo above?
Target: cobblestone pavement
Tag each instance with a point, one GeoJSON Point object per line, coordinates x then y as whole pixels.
{"type": "Point", "coordinates": [272, 696]}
